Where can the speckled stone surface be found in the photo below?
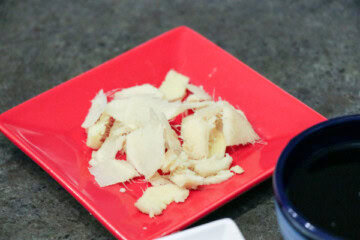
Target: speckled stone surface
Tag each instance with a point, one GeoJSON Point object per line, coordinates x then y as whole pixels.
{"type": "Point", "coordinates": [309, 48]}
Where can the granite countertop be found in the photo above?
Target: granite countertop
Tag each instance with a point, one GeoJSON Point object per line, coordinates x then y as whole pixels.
{"type": "Point", "coordinates": [309, 48]}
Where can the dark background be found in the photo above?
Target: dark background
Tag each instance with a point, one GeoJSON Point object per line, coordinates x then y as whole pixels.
{"type": "Point", "coordinates": [310, 48]}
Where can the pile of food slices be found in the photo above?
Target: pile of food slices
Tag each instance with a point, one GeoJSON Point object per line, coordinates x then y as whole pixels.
{"type": "Point", "coordinates": [137, 122]}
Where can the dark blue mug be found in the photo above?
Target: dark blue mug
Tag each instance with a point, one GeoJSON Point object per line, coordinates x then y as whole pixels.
{"type": "Point", "coordinates": [294, 223]}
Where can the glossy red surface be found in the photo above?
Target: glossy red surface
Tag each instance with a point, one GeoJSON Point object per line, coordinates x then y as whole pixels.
{"type": "Point", "coordinates": [47, 128]}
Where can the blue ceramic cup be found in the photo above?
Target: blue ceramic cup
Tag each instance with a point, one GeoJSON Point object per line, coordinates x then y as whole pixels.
{"type": "Point", "coordinates": [293, 225]}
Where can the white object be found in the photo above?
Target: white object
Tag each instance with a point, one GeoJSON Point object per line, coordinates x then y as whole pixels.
{"type": "Point", "coordinates": [155, 199]}
{"type": "Point", "coordinates": [145, 89]}
{"type": "Point", "coordinates": [220, 177]}
{"type": "Point", "coordinates": [236, 128]}
{"type": "Point", "coordinates": [113, 171]}
{"type": "Point", "coordinates": [145, 149]}
{"type": "Point", "coordinates": [195, 132]}
{"type": "Point", "coordinates": [198, 95]}
{"type": "Point", "coordinates": [222, 229]}
{"type": "Point", "coordinates": [237, 169]}
{"type": "Point", "coordinates": [174, 85]}
{"type": "Point", "coordinates": [98, 105]}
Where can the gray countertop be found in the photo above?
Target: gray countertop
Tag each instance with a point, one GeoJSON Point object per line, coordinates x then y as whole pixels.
{"type": "Point", "coordinates": [310, 48]}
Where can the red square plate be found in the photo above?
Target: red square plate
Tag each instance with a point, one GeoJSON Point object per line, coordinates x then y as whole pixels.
{"type": "Point", "coordinates": [47, 128]}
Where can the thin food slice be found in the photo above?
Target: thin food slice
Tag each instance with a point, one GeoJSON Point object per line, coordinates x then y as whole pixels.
{"type": "Point", "coordinates": [217, 144]}
{"type": "Point", "coordinates": [155, 199]}
{"type": "Point", "coordinates": [112, 171]}
{"type": "Point", "coordinates": [175, 161]}
{"type": "Point", "coordinates": [211, 166]}
{"type": "Point", "coordinates": [174, 86]}
{"type": "Point", "coordinates": [145, 89]}
{"type": "Point", "coordinates": [185, 178]}
{"type": "Point", "coordinates": [98, 105]}
{"type": "Point", "coordinates": [195, 132]}
{"type": "Point", "coordinates": [220, 177]}
{"type": "Point", "coordinates": [236, 128]}
{"type": "Point", "coordinates": [97, 133]}
{"type": "Point", "coordinates": [158, 180]}
{"type": "Point", "coordinates": [134, 111]}
{"type": "Point", "coordinates": [119, 129]}
{"type": "Point", "coordinates": [108, 149]}
{"type": "Point", "coordinates": [145, 149]}
{"type": "Point", "coordinates": [198, 95]}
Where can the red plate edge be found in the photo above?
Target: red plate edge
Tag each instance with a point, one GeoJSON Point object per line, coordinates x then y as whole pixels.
{"type": "Point", "coordinates": [190, 220]}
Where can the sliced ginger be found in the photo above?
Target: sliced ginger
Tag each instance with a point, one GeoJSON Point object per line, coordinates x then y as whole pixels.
{"type": "Point", "coordinates": [155, 199]}
{"type": "Point", "coordinates": [136, 122]}
{"type": "Point", "coordinates": [185, 178]}
{"type": "Point", "coordinates": [174, 86]}
{"type": "Point", "coordinates": [98, 105]}
{"type": "Point", "coordinates": [145, 149]}
{"type": "Point", "coordinates": [97, 133]}
{"type": "Point", "coordinates": [198, 94]}
{"type": "Point", "coordinates": [236, 128]}
{"type": "Point", "coordinates": [116, 171]}
{"type": "Point", "coordinates": [142, 90]}
{"type": "Point", "coordinates": [211, 166]}
{"type": "Point", "coordinates": [220, 177]}
{"type": "Point", "coordinates": [217, 144]}
{"type": "Point", "coordinates": [195, 133]}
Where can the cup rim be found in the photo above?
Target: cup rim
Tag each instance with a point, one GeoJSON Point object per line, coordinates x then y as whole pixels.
{"type": "Point", "coordinates": [299, 222]}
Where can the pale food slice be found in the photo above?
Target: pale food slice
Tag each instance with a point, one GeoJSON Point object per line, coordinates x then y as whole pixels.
{"type": "Point", "coordinates": [158, 180]}
{"type": "Point", "coordinates": [169, 160]}
{"type": "Point", "coordinates": [97, 132]}
{"type": "Point", "coordinates": [112, 171]}
{"type": "Point", "coordinates": [220, 177]}
{"type": "Point", "coordinates": [145, 149]}
{"type": "Point", "coordinates": [185, 178]}
{"type": "Point", "coordinates": [145, 89]}
{"type": "Point", "coordinates": [134, 111]}
{"type": "Point", "coordinates": [210, 166]}
{"type": "Point", "coordinates": [174, 161]}
{"type": "Point", "coordinates": [198, 95]}
{"type": "Point", "coordinates": [119, 129]}
{"type": "Point", "coordinates": [210, 111]}
{"type": "Point", "coordinates": [236, 128]}
{"type": "Point", "coordinates": [195, 133]}
{"type": "Point", "coordinates": [217, 144]}
{"type": "Point", "coordinates": [98, 105]}
{"type": "Point", "coordinates": [174, 86]}
{"type": "Point", "coordinates": [109, 149]}
{"type": "Point", "coordinates": [155, 199]}
{"type": "Point", "coordinates": [171, 138]}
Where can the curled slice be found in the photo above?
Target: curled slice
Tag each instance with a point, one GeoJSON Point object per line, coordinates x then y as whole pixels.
{"type": "Point", "coordinates": [220, 177]}
{"type": "Point", "coordinates": [98, 105]}
{"type": "Point", "coordinates": [210, 166]}
{"type": "Point", "coordinates": [97, 133]}
{"type": "Point", "coordinates": [185, 178]}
